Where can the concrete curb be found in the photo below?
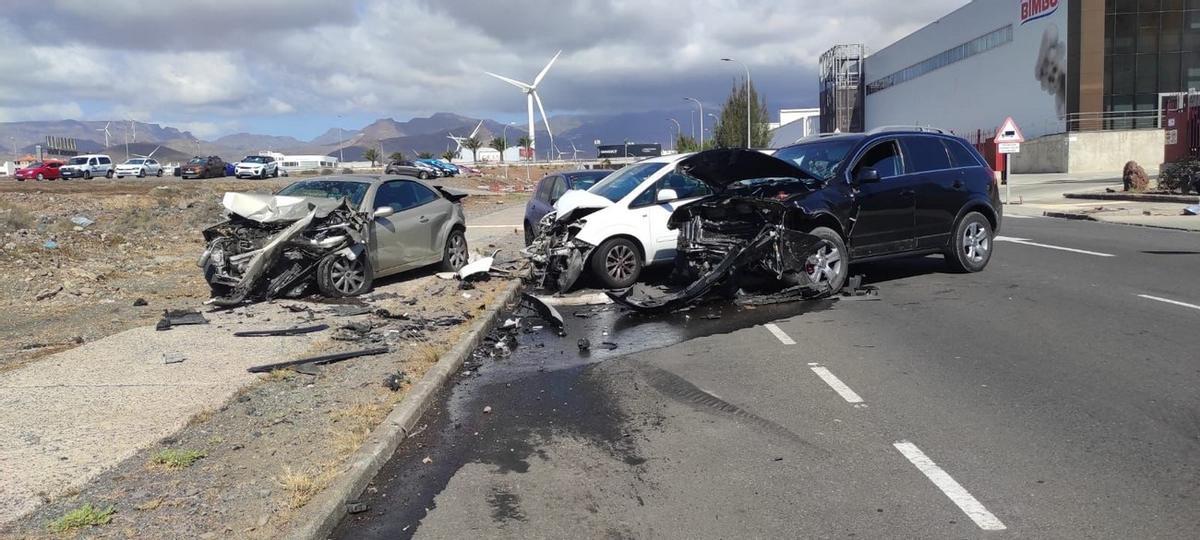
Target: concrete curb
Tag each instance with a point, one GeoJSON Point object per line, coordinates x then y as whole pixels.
{"type": "Point", "coordinates": [319, 517]}
{"type": "Point", "coordinates": [1135, 197]}
{"type": "Point", "coordinates": [1086, 217]}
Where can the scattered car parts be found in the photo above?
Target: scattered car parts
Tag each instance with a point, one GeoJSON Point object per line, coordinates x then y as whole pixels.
{"type": "Point", "coordinates": [282, 331]}
{"type": "Point", "coordinates": [318, 360]}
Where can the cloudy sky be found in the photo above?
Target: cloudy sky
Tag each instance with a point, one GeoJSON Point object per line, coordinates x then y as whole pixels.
{"type": "Point", "coordinates": [297, 67]}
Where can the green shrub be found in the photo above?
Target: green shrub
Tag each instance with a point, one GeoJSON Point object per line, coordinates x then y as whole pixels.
{"type": "Point", "coordinates": [177, 459]}
{"type": "Point", "coordinates": [84, 516]}
{"type": "Point", "coordinates": [1180, 176]}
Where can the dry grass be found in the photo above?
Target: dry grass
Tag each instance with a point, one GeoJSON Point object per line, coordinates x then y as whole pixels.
{"type": "Point", "coordinates": [200, 418]}
{"type": "Point", "coordinates": [280, 374]}
{"type": "Point", "coordinates": [353, 425]}
{"type": "Point", "coordinates": [14, 218]}
{"type": "Point", "coordinates": [427, 353]}
{"type": "Point", "coordinates": [302, 486]}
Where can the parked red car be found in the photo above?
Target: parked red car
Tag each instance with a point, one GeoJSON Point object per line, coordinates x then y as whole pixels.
{"type": "Point", "coordinates": [40, 170]}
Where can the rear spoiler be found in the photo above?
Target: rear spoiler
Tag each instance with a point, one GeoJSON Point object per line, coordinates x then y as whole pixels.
{"type": "Point", "coordinates": [450, 195]}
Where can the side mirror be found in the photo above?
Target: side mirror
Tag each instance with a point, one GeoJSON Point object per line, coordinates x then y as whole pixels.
{"type": "Point", "coordinates": [867, 175]}
{"type": "Point", "coordinates": [384, 211]}
{"type": "Point", "coordinates": [666, 195]}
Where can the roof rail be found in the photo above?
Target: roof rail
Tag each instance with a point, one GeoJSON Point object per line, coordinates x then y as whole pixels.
{"type": "Point", "coordinates": [923, 129]}
{"type": "Point", "coordinates": [816, 136]}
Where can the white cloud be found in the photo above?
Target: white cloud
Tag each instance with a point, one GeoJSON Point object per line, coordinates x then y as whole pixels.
{"type": "Point", "coordinates": [40, 112]}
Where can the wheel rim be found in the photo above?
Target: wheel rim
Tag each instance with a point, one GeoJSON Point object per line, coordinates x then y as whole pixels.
{"type": "Point", "coordinates": [620, 262]}
{"type": "Point", "coordinates": [824, 266]}
{"type": "Point", "coordinates": [458, 251]}
{"type": "Point", "coordinates": [976, 242]}
{"type": "Point", "coordinates": [347, 275]}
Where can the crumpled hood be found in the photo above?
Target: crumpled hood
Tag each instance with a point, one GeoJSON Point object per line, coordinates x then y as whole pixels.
{"type": "Point", "coordinates": [265, 208]}
{"type": "Point", "coordinates": [576, 203]}
{"type": "Point", "coordinates": [720, 168]}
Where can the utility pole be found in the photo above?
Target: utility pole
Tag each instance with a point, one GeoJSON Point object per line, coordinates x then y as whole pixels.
{"type": "Point", "coordinates": [747, 98]}
{"type": "Point", "coordinates": [678, 132]}
{"type": "Point", "coordinates": [701, 119]}
{"type": "Point", "coordinates": [340, 141]}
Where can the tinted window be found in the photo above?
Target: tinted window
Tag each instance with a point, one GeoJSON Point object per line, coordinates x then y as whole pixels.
{"type": "Point", "coordinates": [543, 189]}
{"type": "Point", "coordinates": [585, 180]}
{"type": "Point", "coordinates": [685, 187]}
{"type": "Point", "coordinates": [960, 155]}
{"type": "Point", "coordinates": [926, 154]}
{"type": "Point", "coordinates": [401, 195]}
{"type": "Point", "coordinates": [558, 188]}
{"type": "Point", "coordinates": [883, 157]}
{"type": "Point", "coordinates": [328, 190]}
{"type": "Point", "coordinates": [105, 161]}
{"type": "Point", "coordinates": [423, 193]}
{"type": "Point", "coordinates": [617, 185]}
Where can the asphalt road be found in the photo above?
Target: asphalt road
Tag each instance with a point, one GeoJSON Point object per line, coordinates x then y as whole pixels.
{"type": "Point", "coordinates": [1052, 396]}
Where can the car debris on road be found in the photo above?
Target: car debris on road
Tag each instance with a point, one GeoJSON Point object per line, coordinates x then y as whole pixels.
{"type": "Point", "coordinates": [179, 317]}
{"type": "Point", "coordinates": [319, 360]}
{"type": "Point", "coordinates": [295, 331]}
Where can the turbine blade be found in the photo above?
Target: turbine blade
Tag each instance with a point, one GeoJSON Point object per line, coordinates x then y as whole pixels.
{"type": "Point", "coordinates": [546, 120]}
{"type": "Point", "coordinates": [515, 83]}
{"type": "Point", "coordinates": [542, 75]}
{"type": "Point", "coordinates": [476, 131]}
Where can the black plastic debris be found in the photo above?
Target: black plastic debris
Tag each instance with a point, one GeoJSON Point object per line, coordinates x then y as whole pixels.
{"type": "Point", "coordinates": [356, 507]}
{"type": "Point", "coordinates": [282, 331]}
{"type": "Point", "coordinates": [608, 346]}
{"type": "Point", "coordinates": [546, 312]}
{"type": "Point", "coordinates": [355, 331]}
{"type": "Point", "coordinates": [584, 344]}
{"type": "Point", "coordinates": [395, 381]}
{"type": "Point", "coordinates": [319, 360]}
{"type": "Point", "coordinates": [179, 317]}
{"type": "Point", "coordinates": [140, 302]}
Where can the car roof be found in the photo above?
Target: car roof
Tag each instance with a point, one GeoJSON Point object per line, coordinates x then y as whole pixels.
{"type": "Point", "coordinates": [367, 178]}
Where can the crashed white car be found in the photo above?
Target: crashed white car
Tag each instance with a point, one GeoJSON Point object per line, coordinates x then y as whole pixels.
{"type": "Point", "coordinates": [615, 228]}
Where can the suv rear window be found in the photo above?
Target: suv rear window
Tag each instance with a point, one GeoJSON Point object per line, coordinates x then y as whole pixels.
{"type": "Point", "coordinates": [960, 155]}
{"type": "Point", "coordinates": [926, 154]}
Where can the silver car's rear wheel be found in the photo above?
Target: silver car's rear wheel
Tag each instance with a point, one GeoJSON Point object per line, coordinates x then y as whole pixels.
{"type": "Point", "coordinates": [456, 254]}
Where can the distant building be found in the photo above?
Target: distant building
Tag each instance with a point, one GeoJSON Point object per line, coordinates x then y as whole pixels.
{"type": "Point", "coordinates": [795, 124]}
{"type": "Point", "coordinates": [306, 163]}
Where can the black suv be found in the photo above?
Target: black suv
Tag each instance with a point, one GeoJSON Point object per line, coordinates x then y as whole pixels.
{"type": "Point", "coordinates": [803, 214]}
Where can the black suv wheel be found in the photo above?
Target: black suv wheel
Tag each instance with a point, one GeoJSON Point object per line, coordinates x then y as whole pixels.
{"type": "Point", "coordinates": [971, 246]}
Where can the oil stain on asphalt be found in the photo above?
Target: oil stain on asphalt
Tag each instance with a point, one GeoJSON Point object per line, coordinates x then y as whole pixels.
{"type": "Point", "coordinates": [548, 388]}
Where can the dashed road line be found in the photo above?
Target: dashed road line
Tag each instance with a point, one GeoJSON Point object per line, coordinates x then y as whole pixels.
{"type": "Point", "coordinates": [1169, 301]}
{"type": "Point", "coordinates": [836, 384]}
{"type": "Point", "coordinates": [783, 338]}
{"type": "Point", "coordinates": [1027, 242]}
{"type": "Point", "coordinates": [957, 494]}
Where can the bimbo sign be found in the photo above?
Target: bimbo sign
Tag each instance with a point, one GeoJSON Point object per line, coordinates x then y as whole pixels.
{"type": "Point", "coordinates": [1032, 10]}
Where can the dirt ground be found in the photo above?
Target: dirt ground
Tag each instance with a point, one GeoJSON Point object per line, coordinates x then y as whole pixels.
{"type": "Point", "coordinates": [63, 284]}
{"type": "Point", "coordinates": [244, 470]}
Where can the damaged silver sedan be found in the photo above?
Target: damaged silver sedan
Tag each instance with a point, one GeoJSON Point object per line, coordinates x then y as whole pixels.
{"type": "Point", "coordinates": [335, 233]}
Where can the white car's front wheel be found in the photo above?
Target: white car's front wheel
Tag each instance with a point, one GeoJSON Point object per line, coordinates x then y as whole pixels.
{"type": "Point", "coordinates": [617, 263]}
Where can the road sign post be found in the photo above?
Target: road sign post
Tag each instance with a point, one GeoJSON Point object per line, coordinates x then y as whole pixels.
{"type": "Point", "coordinates": [1008, 141]}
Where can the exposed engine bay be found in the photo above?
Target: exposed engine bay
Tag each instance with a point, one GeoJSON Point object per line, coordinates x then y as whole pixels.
{"type": "Point", "coordinates": [557, 258]}
{"type": "Point", "coordinates": [275, 246]}
{"type": "Point", "coordinates": [739, 245]}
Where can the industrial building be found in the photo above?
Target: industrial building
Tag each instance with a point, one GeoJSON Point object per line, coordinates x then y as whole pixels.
{"type": "Point", "coordinates": [1085, 80]}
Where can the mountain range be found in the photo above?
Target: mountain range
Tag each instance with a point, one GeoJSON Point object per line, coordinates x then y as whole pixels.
{"type": "Point", "coordinates": [420, 134]}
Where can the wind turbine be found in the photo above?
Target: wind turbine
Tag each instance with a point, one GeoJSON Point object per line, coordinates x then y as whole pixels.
{"type": "Point", "coordinates": [151, 154]}
{"type": "Point", "coordinates": [574, 151]}
{"type": "Point", "coordinates": [106, 133]}
{"type": "Point", "coordinates": [531, 96]}
{"type": "Point", "coordinates": [460, 140]}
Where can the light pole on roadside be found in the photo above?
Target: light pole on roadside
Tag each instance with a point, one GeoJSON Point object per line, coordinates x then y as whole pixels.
{"type": "Point", "coordinates": [747, 97]}
{"type": "Point", "coordinates": [504, 136]}
{"type": "Point", "coordinates": [340, 145]}
{"type": "Point", "coordinates": [678, 132]}
{"type": "Point", "coordinates": [701, 119]}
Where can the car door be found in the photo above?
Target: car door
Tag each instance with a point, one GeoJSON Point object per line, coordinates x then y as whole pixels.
{"type": "Point", "coordinates": [663, 240]}
{"type": "Point", "coordinates": [884, 208]}
{"type": "Point", "coordinates": [403, 238]}
{"type": "Point", "coordinates": [541, 204]}
{"type": "Point", "coordinates": [93, 166]}
{"type": "Point", "coordinates": [939, 188]}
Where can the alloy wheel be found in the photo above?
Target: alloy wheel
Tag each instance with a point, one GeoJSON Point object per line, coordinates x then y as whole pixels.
{"type": "Point", "coordinates": [458, 251]}
{"type": "Point", "coordinates": [976, 242]}
{"type": "Point", "coordinates": [348, 275]}
{"type": "Point", "coordinates": [620, 262]}
{"type": "Point", "coordinates": [824, 266]}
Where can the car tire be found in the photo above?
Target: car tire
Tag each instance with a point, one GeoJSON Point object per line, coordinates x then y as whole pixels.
{"type": "Point", "coordinates": [423, 175]}
{"type": "Point", "coordinates": [142, 173]}
{"type": "Point", "coordinates": [829, 266]}
{"type": "Point", "coordinates": [159, 173]}
{"type": "Point", "coordinates": [338, 276]}
{"type": "Point", "coordinates": [87, 175]}
{"type": "Point", "coordinates": [109, 174]}
{"type": "Point", "coordinates": [275, 174]}
{"type": "Point", "coordinates": [40, 177]}
{"type": "Point", "coordinates": [617, 263]}
{"type": "Point", "coordinates": [455, 253]}
{"type": "Point", "coordinates": [971, 245]}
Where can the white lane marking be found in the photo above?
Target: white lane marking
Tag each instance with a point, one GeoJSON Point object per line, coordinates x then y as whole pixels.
{"type": "Point", "coordinates": [1027, 242]}
{"type": "Point", "coordinates": [836, 384]}
{"type": "Point", "coordinates": [783, 338]}
{"type": "Point", "coordinates": [493, 226]}
{"type": "Point", "coordinates": [1169, 301]}
{"type": "Point", "coordinates": [1018, 216]}
{"type": "Point", "coordinates": [957, 494]}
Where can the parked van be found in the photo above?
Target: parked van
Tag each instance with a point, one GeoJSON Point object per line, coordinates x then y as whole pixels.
{"type": "Point", "coordinates": [88, 166]}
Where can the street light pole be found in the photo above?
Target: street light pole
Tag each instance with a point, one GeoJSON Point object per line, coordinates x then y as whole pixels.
{"type": "Point", "coordinates": [504, 135]}
{"type": "Point", "coordinates": [747, 97]}
{"type": "Point", "coordinates": [678, 132]}
{"type": "Point", "coordinates": [701, 119]}
{"type": "Point", "coordinates": [341, 158]}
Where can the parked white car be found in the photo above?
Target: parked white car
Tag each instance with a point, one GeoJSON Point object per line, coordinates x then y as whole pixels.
{"type": "Point", "coordinates": [619, 225]}
{"type": "Point", "coordinates": [256, 167]}
{"type": "Point", "coordinates": [139, 167]}
{"type": "Point", "coordinates": [87, 166]}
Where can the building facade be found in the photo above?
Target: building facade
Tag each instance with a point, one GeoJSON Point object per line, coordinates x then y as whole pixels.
{"type": "Point", "coordinates": [1058, 67]}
